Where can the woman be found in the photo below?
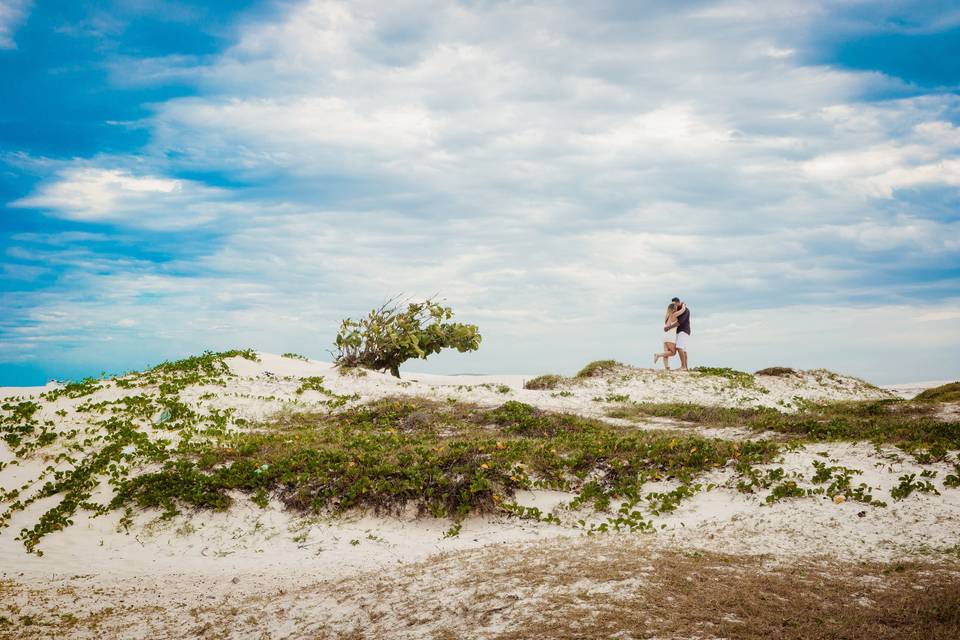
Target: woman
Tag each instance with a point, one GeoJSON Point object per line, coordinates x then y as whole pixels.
{"type": "Point", "coordinates": [670, 335]}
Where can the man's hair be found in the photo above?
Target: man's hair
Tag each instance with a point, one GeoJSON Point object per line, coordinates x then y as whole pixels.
{"type": "Point", "coordinates": [675, 299]}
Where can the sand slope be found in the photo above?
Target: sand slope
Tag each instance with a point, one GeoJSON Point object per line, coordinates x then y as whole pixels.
{"type": "Point", "coordinates": [250, 550]}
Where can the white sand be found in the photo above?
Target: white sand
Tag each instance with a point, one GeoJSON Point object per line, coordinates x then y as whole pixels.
{"type": "Point", "coordinates": [909, 390]}
{"type": "Point", "coordinates": [26, 392]}
{"type": "Point", "coordinates": [196, 556]}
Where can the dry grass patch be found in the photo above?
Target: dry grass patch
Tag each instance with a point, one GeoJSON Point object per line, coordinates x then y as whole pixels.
{"type": "Point", "coordinates": [603, 587]}
{"type": "Point", "coordinates": [714, 595]}
{"type": "Point", "coordinates": [610, 587]}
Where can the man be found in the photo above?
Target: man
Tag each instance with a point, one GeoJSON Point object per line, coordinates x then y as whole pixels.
{"type": "Point", "coordinates": [683, 332]}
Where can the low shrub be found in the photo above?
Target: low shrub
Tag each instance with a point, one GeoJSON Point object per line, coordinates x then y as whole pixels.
{"type": "Point", "coordinates": [548, 381]}
{"type": "Point", "coordinates": [780, 372]}
{"type": "Point", "coordinates": [76, 389]}
{"type": "Point", "coordinates": [735, 379]}
{"type": "Point", "coordinates": [912, 427]}
{"type": "Point", "coordinates": [173, 376]}
{"type": "Point", "coordinates": [944, 393]}
{"type": "Point", "coordinates": [446, 459]}
{"type": "Point", "coordinates": [311, 383]}
{"type": "Point", "coordinates": [598, 368]}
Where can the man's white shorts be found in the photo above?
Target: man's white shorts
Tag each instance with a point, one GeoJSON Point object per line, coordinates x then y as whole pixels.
{"type": "Point", "coordinates": [682, 339]}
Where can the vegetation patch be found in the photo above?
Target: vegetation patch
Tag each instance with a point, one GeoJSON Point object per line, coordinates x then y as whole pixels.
{"type": "Point", "coordinates": [909, 483]}
{"type": "Point", "coordinates": [76, 389]}
{"type": "Point", "coordinates": [172, 377]}
{"type": "Point", "coordinates": [612, 397]}
{"type": "Point", "coordinates": [548, 381]}
{"type": "Point", "coordinates": [735, 379]}
{"type": "Point", "coordinates": [599, 368]}
{"type": "Point", "coordinates": [315, 383]}
{"type": "Point", "coordinates": [154, 450]}
{"type": "Point", "coordinates": [118, 438]}
{"type": "Point", "coordinates": [446, 459]}
{"type": "Point", "coordinates": [311, 383]}
{"type": "Point", "coordinates": [295, 356]}
{"type": "Point", "coordinates": [914, 427]}
{"type": "Point", "coordinates": [837, 481]}
{"type": "Point", "coordinates": [944, 393]}
{"type": "Point", "coordinates": [489, 386]}
{"type": "Point", "coordinates": [21, 429]}
{"type": "Point", "coordinates": [952, 480]}
{"type": "Point", "coordinates": [781, 372]}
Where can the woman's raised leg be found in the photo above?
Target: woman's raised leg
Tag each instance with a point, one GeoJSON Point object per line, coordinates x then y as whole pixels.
{"type": "Point", "coordinates": [669, 349]}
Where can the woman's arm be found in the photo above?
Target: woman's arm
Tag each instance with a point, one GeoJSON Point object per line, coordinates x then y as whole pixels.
{"type": "Point", "coordinates": [673, 320]}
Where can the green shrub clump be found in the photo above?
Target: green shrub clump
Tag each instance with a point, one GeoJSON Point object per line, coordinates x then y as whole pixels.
{"type": "Point", "coordinates": [735, 379]}
{"type": "Point", "coordinates": [944, 393]}
{"type": "Point", "coordinates": [172, 377]}
{"type": "Point", "coordinates": [311, 383]}
{"type": "Point", "coordinates": [76, 389]}
{"type": "Point", "coordinates": [448, 460]}
{"type": "Point", "coordinates": [548, 381]}
{"type": "Point", "coordinates": [914, 427]}
{"type": "Point", "coordinates": [391, 335]}
{"type": "Point", "coordinates": [780, 372]}
{"type": "Point", "coordinates": [598, 368]}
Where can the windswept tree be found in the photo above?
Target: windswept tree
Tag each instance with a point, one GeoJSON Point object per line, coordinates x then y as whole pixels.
{"type": "Point", "coordinates": [397, 332]}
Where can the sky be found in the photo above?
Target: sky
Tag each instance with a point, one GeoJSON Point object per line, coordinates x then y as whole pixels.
{"type": "Point", "coordinates": [178, 176]}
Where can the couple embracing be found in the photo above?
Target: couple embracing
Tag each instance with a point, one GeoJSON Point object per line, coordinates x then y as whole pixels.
{"type": "Point", "coordinates": [676, 327]}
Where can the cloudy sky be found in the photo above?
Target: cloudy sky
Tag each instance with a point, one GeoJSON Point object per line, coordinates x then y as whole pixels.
{"type": "Point", "coordinates": [178, 176]}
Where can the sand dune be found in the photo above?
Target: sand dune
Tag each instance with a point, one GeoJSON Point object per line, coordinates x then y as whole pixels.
{"type": "Point", "coordinates": [250, 552]}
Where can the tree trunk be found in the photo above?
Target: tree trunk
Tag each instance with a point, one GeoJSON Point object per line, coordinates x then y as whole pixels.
{"type": "Point", "coordinates": [395, 370]}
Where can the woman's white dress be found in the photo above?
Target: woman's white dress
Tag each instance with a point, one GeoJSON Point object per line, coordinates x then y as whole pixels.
{"type": "Point", "coordinates": [670, 336]}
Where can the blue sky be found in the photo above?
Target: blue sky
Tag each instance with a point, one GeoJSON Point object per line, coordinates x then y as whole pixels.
{"type": "Point", "coordinates": [177, 176]}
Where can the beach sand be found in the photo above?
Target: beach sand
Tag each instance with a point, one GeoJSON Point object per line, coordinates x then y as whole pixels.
{"type": "Point", "coordinates": [266, 572]}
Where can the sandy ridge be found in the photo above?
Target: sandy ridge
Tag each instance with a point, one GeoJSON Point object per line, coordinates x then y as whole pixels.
{"type": "Point", "coordinates": [271, 549]}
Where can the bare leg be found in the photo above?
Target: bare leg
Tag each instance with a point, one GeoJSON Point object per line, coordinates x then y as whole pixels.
{"type": "Point", "coordinates": [683, 359]}
{"type": "Point", "coordinates": [669, 350]}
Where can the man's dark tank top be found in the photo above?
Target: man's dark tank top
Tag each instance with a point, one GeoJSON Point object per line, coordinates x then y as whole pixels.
{"type": "Point", "coordinates": [683, 322]}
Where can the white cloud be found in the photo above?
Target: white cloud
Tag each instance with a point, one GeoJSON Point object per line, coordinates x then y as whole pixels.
{"type": "Point", "coordinates": [880, 170]}
{"type": "Point", "coordinates": [774, 52]}
{"type": "Point", "coordinates": [672, 128]}
{"type": "Point", "coordinates": [906, 234]}
{"type": "Point", "coordinates": [548, 168]}
{"type": "Point", "coordinates": [92, 194]}
{"type": "Point", "coordinates": [757, 10]}
{"type": "Point", "coordinates": [295, 126]}
{"type": "Point", "coordinates": [644, 107]}
{"type": "Point", "coordinates": [12, 14]}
